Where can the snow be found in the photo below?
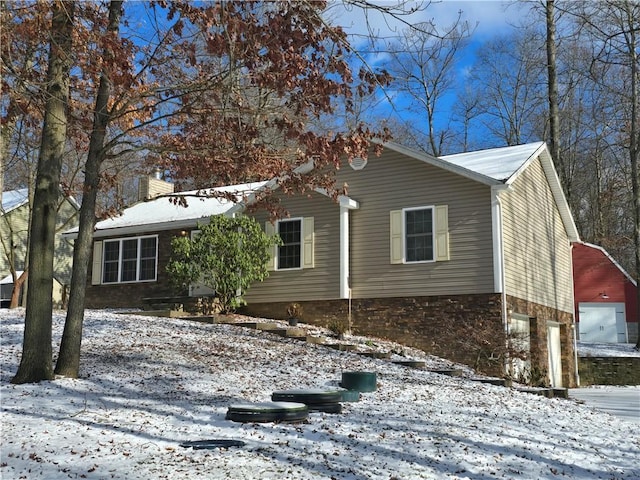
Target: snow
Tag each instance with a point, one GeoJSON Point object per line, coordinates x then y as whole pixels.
{"type": "Point", "coordinates": [149, 384]}
{"type": "Point", "coordinates": [497, 163]}
{"type": "Point", "coordinates": [607, 350]}
{"type": "Point", "coordinates": [162, 210]}
{"type": "Point", "coordinates": [13, 199]}
{"type": "Point", "coordinates": [8, 280]}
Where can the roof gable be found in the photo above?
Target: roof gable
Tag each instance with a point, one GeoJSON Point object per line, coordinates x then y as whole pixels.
{"type": "Point", "coordinates": [502, 166]}
{"type": "Point", "coordinates": [13, 199]}
{"type": "Point", "coordinates": [581, 262]}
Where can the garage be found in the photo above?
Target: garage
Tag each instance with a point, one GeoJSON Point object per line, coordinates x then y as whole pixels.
{"type": "Point", "coordinates": [602, 323]}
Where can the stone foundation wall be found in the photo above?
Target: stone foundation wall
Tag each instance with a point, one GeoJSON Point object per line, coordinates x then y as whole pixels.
{"type": "Point", "coordinates": [632, 331]}
{"type": "Point", "coordinates": [463, 328]}
{"type": "Point", "coordinates": [609, 370]}
{"type": "Point", "coordinates": [539, 315]}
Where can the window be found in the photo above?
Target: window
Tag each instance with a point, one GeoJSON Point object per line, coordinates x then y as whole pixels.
{"type": "Point", "coordinates": [418, 235]}
{"type": "Point", "coordinates": [289, 253]}
{"type": "Point", "coordinates": [129, 260]}
{"type": "Point", "coordinates": [297, 249]}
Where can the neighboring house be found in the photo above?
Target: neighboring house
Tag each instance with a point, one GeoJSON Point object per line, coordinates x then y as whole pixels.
{"type": "Point", "coordinates": [605, 297]}
{"type": "Point", "coordinates": [14, 234]}
{"type": "Point", "coordinates": [453, 255]}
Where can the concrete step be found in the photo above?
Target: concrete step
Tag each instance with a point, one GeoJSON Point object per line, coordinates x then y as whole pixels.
{"type": "Point", "coordinates": [291, 332]}
{"type": "Point", "coordinates": [454, 372]}
{"type": "Point", "coordinates": [374, 354]}
{"type": "Point", "coordinates": [268, 326]}
{"type": "Point", "coordinates": [501, 382]}
{"type": "Point", "coordinates": [343, 347]}
{"type": "Point", "coordinates": [411, 363]}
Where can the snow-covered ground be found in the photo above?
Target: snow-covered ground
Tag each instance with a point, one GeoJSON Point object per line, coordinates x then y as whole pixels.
{"type": "Point", "coordinates": [607, 350]}
{"type": "Point", "coordinates": [149, 384]}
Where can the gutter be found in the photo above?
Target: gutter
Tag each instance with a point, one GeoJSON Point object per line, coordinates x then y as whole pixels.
{"type": "Point", "coordinates": [573, 324]}
{"type": "Point", "coordinates": [499, 282]}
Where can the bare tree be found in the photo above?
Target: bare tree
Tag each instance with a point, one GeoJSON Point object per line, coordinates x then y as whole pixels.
{"type": "Point", "coordinates": [552, 87]}
{"type": "Point", "coordinates": [507, 73]}
{"type": "Point", "coordinates": [422, 64]}
{"type": "Point", "coordinates": [35, 364]}
{"type": "Point", "coordinates": [69, 359]}
{"type": "Point", "coordinates": [611, 28]}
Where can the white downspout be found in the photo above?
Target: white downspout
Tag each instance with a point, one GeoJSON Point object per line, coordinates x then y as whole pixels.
{"type": "Point", "coordinates": [499, 283]}
{"type": "Point", "coordinates": [498, 249]}
{"type": "Point", "coordinates": [574, 325]}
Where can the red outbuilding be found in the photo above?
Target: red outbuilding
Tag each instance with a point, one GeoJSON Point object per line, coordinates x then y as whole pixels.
{"type": "Point", "coordinates": [605, 297]}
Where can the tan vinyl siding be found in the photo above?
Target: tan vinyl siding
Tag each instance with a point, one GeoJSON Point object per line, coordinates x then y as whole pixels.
{"type": "Point", "coordinates": [392, 182]}
{"type": "Point", "coordinates": [322, 281]}
{"type": "Point", "coordinates": [536, 246]}
{"type": "Point", "coordinates": [14, 229]}
{"type": "Point", "coordinates": [63, 259]}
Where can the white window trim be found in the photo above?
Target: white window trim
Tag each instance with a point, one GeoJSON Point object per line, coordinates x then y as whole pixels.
{"type": "Point", "coordinates": [433, 234]}
{"type": "Point", "coordinates": [277, 255]}
{"type": "Point", "coordinates": [120, 240]}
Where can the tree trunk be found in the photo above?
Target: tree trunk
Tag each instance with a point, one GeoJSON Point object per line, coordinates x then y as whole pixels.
{"type": "Point", "coordinates": [552, 85]}
{"type": "Point", "coordinates": [634, 147]}
{"type": "Point", "coordinates": [36, 361]}
{"type": "Point", "coordinates": [69, 359]}
{"type": "Point", "coordinates": [17, 288]}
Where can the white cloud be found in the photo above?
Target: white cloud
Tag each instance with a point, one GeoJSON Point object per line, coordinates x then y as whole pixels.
{"type": "Point", "coordinates": [488, 16]}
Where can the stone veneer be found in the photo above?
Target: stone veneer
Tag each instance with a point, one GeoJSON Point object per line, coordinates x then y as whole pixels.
{"type": "Point", "coordinates": [609, 370]}
{"type": "Point", "coordinates": [539, 315]}
{"type": "Point", "coordinates": [464, 328]}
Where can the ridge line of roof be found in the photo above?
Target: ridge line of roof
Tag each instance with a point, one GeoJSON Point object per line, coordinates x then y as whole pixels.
{"type": "Point", "coordinates": [613, 260]}
{"type": "Point", "coordinates": [442, 163]}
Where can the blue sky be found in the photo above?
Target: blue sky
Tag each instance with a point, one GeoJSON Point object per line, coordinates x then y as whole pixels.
{"type": "Point", "coordinates": [491, 16]}
{"type": "Point", "coordinates": [487, 19]}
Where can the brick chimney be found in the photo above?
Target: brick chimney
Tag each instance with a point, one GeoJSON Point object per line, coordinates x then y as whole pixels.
{"type": "Point", "coordinates": [153, 185]}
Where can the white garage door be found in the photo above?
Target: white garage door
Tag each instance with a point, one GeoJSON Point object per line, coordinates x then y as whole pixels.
{"type": "Point", "coordinates": [602, 323]}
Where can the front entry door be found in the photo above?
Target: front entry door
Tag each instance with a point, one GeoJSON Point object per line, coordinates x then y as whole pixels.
{"type": "Point", "coordinates": [555, 358]}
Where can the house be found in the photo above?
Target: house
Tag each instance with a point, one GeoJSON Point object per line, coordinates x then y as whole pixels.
{"type": "Point", "coordinates": [134, 247]}
{"type": "Point", "coordinates": [466, 256]}
{"type": "Point", "coordinates": [14, 234]}
{"type": "Point", "coordinates": [605, 297]}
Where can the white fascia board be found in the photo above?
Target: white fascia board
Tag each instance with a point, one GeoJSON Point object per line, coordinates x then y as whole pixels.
{"type": "Point", "coordinates": [145, 229]}
{"type": "Point", "coordinates": [526, 163]}
{"type": "Point", "coordinates": [558, 194]}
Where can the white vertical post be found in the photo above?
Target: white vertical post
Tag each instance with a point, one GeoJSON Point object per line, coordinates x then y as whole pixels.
{"type": "Point", "coordinates": [344, 252]}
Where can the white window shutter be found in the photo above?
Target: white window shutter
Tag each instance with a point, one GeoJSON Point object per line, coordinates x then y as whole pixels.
{"type": "Point", "coordinates": [307, 242]}
{"type": "Point", "coordinates": [270, 230]}
{"type": "Point", "coordinates": [396, 240]}
{"type": "Point", "coordinates": [442, 233]}
{"type": "Point", "coordinates": [96, 266]}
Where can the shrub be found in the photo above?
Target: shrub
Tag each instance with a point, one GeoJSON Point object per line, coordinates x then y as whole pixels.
{"type": "Point", "coordinates": [227, 256]}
